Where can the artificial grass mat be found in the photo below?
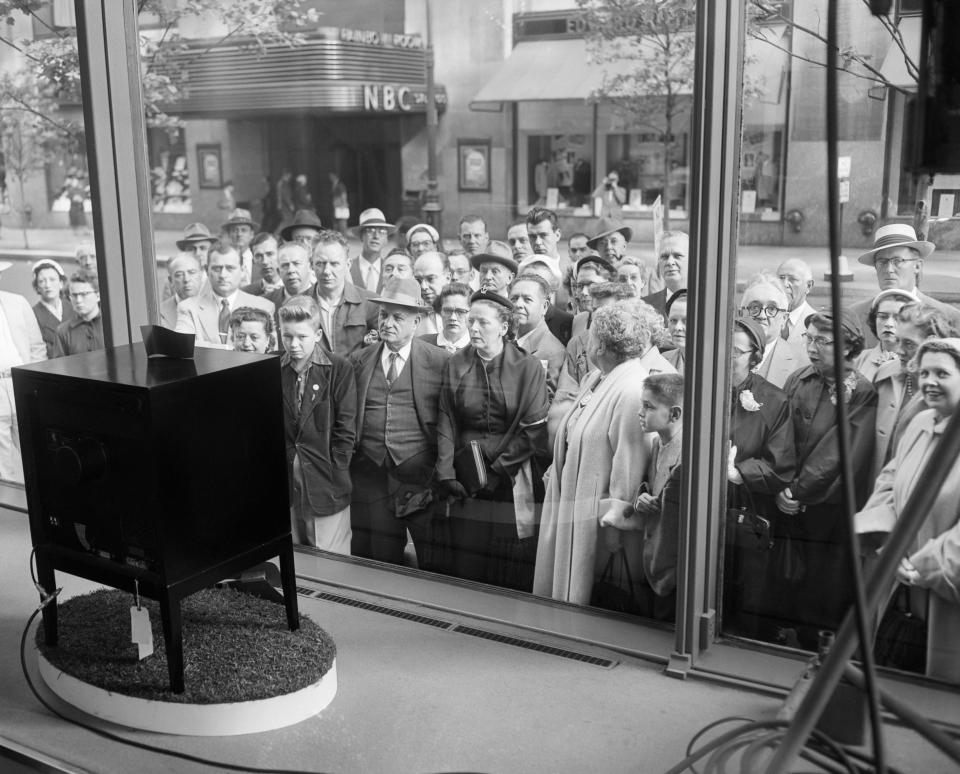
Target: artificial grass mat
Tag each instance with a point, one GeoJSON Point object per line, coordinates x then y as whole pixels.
{"type": "Point", "coordinates": [236, 647]}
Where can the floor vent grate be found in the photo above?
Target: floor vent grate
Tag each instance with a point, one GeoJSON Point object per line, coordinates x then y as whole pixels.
{"type": "Point", "coordinates": [304, 591]}
{"type": "Point", "coordinates": [384, 610]}
{"type": "Point", "coordinates": [606, 663]}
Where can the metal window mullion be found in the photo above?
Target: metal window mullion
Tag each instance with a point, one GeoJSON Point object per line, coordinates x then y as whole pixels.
{"type": "Point", "coordinates": [108, 47]}
{"type": "Point", "coordinates": [715, 143]}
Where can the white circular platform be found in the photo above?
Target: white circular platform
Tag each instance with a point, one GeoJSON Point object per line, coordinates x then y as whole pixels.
{"type": "Point", "coordinates": [246, 717]}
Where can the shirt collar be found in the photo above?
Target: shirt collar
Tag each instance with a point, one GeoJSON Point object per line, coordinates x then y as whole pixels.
{"type": "Point", "coordinates": [443, 341]}
{"type": "Point", "coordinates": [231, 299]}
{"type": "Point", "coordinates": [403, 352]}
{"type": "Point", "coordinates": [319, 357]}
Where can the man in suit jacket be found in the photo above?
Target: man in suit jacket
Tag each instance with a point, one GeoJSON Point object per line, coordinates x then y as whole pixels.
{"type": "Point", "coordinates": [788, 351]}
{"type": "Point", "coordinates": [207, 315]}
{"type": "Point", "coordinates": [672, 268]}
{"type": "Point", "coordinates": [20, 344]}
{"type": "Point", "coordinates": [530, 295]}
{"type": "Point", "coordinates": [897, 257]}
{"type": "Point", "coordinates": [398, 392]}
{"type": "Point", "coordinates": [373, 230]}
{"type": "Point", "coordinates": [186, 280]}
{"type": "Point", "coordinates": [558, 321]}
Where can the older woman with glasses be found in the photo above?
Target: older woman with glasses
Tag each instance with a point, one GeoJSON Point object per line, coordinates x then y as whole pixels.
{"type": "Point", "coordinates": [761, 463]}
{"type": "Point", "coordinates": [931, 571]}
{"type": "Point", "coordinates": [814, 497]}
{"type": "Point", "coordinates": [600, 456]}
{"type": "Point", "coordinates": [492, 424]}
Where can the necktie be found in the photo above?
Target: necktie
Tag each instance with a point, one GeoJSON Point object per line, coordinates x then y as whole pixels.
{"type": "Point", "coordinates": [223, 321]}
{"type": "Point", "coordinates": [373, 277]}
{"type": "Point", "coordinates": [392, 370]}
{"type": "Point", "coordinates": [785, 330]}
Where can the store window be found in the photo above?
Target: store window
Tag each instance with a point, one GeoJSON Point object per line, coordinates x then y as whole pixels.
{"type": "Point", "coordinates": [169, 170]}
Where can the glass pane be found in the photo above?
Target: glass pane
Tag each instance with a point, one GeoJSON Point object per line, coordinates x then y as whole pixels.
{"type": "Point", "coordinates": [49, 258]}
{"type": "Point", "coordinates": [290, 155]}
{"type": "Point", "coordinates": [785, 572]}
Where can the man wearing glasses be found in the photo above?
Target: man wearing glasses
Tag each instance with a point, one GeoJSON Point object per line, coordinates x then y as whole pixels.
{"type": "Point", "coordinates": [788, 352]}
{"type": "Point", "coordinates": [765, 301]}
{"type": "Point", "coordinates": [84, 333]}
{"type": "Point", "coordinates": [373, 230]}
{"type": "Point", "coordinates": [897, 256]}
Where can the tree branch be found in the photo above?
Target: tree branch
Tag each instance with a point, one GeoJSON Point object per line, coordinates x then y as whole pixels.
{"type": "Point", "coordinates": [66, 128]}
{"type": "Point", "coordinates": [54, 30]}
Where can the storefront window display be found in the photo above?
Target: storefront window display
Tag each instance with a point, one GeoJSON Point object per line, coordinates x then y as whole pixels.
{"type": "Point", "coordinates": [560, 171]}
{"type": "Point", "coordinates": [169, 170]}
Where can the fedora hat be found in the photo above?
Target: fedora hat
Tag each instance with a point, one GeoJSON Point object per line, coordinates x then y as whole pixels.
{"type": "Point", "coordinates": [497, 252]}
{"type": "Point", "coordinates": [372, 218]}
{"type": "Point", "coordinates": [195, 232]}
{"type": "Point", "coordinates": [608, 226]}
{"type": "Point", "coordinates": [895, 235]}
{"type": "Point", "coordinates": [301, 219]}
{"type": "Point", "coordinates": [401, 291]}
{"type": "Point", "coordinates": [241, 217]}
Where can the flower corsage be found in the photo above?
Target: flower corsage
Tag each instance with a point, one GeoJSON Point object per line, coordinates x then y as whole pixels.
{"type": "Point", "coordinates": [849, 383]}
{"type": "Point", "coordinates": [748, 402]}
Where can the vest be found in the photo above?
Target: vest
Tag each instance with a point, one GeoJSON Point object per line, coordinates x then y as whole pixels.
{"type": "Point", "coordinates": [390, 422]}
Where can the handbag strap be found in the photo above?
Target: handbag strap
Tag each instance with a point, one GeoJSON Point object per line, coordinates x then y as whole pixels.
{"type": "Point", "coordinates": [743, 488]}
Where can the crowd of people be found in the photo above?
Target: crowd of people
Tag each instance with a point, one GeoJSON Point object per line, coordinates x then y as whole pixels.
{"type": "Point", "coordinates": [504, 413]}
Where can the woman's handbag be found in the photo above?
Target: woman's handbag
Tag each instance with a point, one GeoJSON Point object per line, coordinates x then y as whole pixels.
{"type": "Point", "coordinates": [611, 595]}
{"type": "Point", "coordinates": [901, 640]}
{"type": "Point", "coordinates": [747, 529]}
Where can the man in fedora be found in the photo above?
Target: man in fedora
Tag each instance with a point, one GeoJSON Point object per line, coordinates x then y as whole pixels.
{"type": "Point", "coordinates": [207, 315]}
{"type": "Point", "coordinates": [198, 240]}
{"type": "Point", "coordinates": [897, 257]}
{"type": "Point", "coordinates": [495, 267]}
{"type": "Point", "coordinates": [611, 240]}
{"type": "Point", "coordinates": [398, 394]}
{"type": "Point", "coordinates": [373, 230]}
{"type": "Point", "coordinates": [304, 229]}
{"type": "Point", "coordinates": [239, 230]}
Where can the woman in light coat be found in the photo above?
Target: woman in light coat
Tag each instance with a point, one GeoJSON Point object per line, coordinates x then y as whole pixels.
{"type": "Point", "coordinates": [600, 456]}
{"type": "Point", "coordinates": [932, 568]}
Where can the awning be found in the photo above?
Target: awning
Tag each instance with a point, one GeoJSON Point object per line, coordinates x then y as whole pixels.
{"type": "Point", "coordinates": [546, 70]}
{"type": "Point", "coordinates": [894, 69]}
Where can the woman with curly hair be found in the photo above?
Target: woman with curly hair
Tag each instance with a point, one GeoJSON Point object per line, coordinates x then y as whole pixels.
{"type": "Point", "coordinates": [600, 455]}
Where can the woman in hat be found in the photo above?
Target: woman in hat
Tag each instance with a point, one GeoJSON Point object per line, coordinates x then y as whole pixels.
{"type": "Point", "coordinates": [898, 393]}
{"type": "Point", "coordinates": [492, 426]}
{"type": "Point", "coordinates": [815, 495]}
{"type": "Point", "coordinates": [882, 322]}
{"type": "Point", "coordinates": [49, 281]}
{"type": "Point", "coordinates": [600, 456]}
{"type": "Point", "coordinates": [931, 570]}
{"type": "Point", "coordinates": [760, 464]}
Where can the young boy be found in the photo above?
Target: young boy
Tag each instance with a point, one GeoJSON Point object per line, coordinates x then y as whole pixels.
{"type": "Point", "coordinates": [319, 415]}
{"type": "Point", "coordinates": [251, 330]}
{"type": "Point", "coordinates": [658, 501]}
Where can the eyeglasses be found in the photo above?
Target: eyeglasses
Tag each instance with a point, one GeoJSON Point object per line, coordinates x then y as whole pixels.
{"type": "Point", "coordinates": [376, 230]}
{"type": "Point", "coordinates": [741, 352]}
{"type": "Point", "coordinates": [450, 311]}
{"type": "Point", "coordinates": [820, 342]}
{"type": "Point", "coordinates": [82, 294]}
{"type": "Point", "coordinates": [756, 309]}
{"type": "Point", "coordinates": [896, 263]}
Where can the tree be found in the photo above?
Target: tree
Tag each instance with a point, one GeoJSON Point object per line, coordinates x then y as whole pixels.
{"type": "Point", "coordinates": [30, 133]}
{"type": "Point", "coordinates": [646, 48]}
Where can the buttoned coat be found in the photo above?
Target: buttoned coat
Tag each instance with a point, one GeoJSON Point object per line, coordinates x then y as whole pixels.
{"type": "Point", "coordinates": [598, 464]}
{"type": "Point", "coordinates": [543, 345]}
{"type": "Point", "coordinates": [49, 323]}
{"type": "Point", "coordinates": [354, 316]}
{"type": "Point", "coordinates": [322, 431]}
{"type": "Point", "coordinates": [200, 315]}
{"type": "Point", "coordinates": [936, 549]}
{"type": "Point", "coordinates": [888, 381]}
{"type": "Point", "coordinates": [426, 363]}
{"type": "Point", "coordinates": [817, 480]}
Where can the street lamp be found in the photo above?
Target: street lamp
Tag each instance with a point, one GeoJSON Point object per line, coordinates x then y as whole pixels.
{"type": "Point", "coordinates": [432, 209]}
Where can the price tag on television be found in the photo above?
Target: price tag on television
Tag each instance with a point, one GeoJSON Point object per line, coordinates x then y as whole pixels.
{"type": "Point", "coordinates": [141, 633]}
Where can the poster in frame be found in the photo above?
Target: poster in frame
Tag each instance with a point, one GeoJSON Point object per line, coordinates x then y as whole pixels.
{"type": "Point", "coordinates": [473, 165]}
{"type": "Point", "coordinates": [209, 166]}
